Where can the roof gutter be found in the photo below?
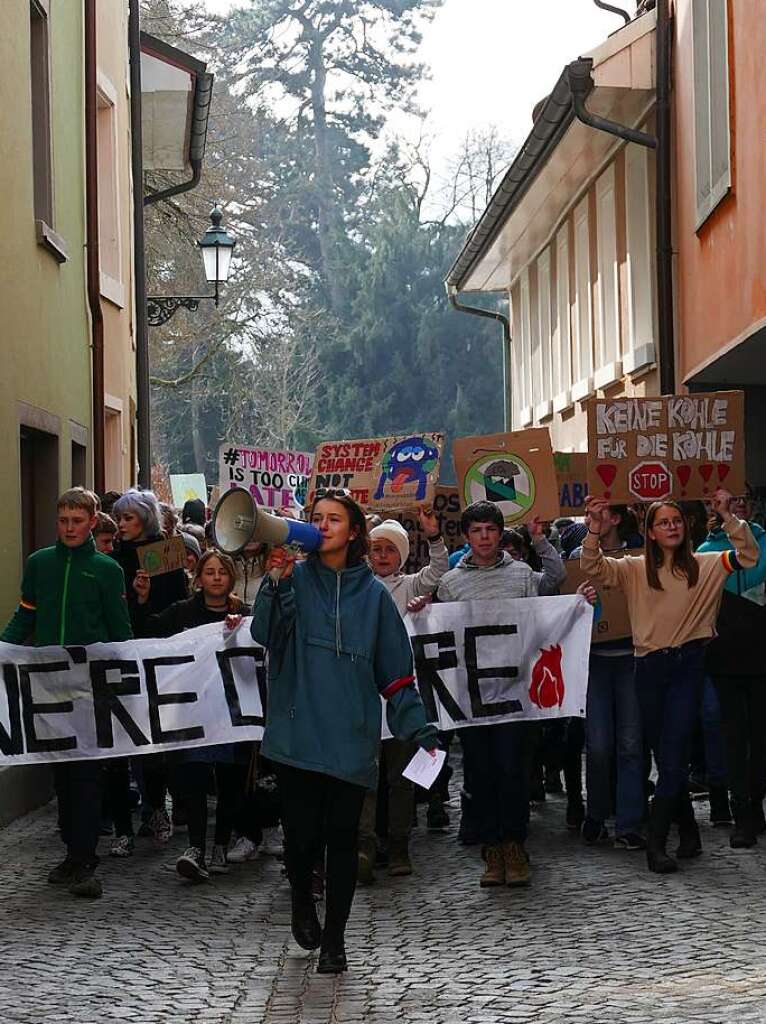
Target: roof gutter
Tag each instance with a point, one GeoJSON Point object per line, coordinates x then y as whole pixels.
{"type": "Point", "coordinates": [503, 320]}
{"type": "Point", "coordinates": [552, 122]}
{"type": "Point", "coordinates": [93, 260]}
{"type": "Point", "coordinates": [203, 97]}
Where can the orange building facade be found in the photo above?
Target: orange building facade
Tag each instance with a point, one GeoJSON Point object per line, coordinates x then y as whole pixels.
{"type": "Point", "coordinates": [719, 104]}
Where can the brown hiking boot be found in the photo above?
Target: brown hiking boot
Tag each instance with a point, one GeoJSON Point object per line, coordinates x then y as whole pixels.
{"type": "Point", "coordinates": [399, 863]}
{"type": "Point", "coordinates": [516, 863]}
{"type": "Point", "coordinates": [494, 873]}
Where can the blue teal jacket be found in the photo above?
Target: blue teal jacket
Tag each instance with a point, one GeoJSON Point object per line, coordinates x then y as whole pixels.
{"type": "Point", "coordinates": [336, 644]}
{"type": "Point", "coordinates": [743, 579]}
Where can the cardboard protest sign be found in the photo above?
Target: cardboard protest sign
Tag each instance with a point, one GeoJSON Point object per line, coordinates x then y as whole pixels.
{"type": "Point", "coordinates": [161, 557]}
{"type": "Point", "coordinates": [384, 474]}
{"type": "Point", "coordinates": [673, 446]}
{"type": "Point", "coordinates": [186, 487]}
{"type": "Point", "coordinates": [610, 615]}
{"type": "Point", "coordinates": [161, 483]}
{"type": "Point", "coordinates": [276, 479]}
{"type": "Point", "coordinates": [514, 470]}
{"type": "Point", "coordinates": [446, 505]}
{"type": "Point", "coordinates": [572, 479]}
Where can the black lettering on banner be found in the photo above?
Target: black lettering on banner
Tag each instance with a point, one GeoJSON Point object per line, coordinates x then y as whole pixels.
{"type": "Point", "coordinates": [79, 655]}
{"type": "Point", "coordinates": [35, 745]}
{"type": "Point", "coordinates": [13, 742]}
{"type": "Point", "coordinates": [159, 700]}
{"type": "Point", "coordinates": [427, 672]}
{"type": "Point", "coordinates": [225, 659]}
{"type": "Point", "coordinates": [106, 702]}
{"type": "Point", "coordinates": [478, 708]}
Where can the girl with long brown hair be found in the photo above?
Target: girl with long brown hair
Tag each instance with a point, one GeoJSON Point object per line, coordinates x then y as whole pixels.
{"type": "Point", "coordinates": [192, 770]}
{"type": "Point", "coordinates": [673, 598]}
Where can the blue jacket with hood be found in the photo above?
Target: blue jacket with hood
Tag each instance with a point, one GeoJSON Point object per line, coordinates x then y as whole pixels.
{"type": "Point", "coordinates": [743, 580]}
{"type": "Point", "coordinates": [337, 644]}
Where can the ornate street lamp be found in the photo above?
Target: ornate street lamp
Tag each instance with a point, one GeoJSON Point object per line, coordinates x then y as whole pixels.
{"type": "Point", "coordinates": [217, 246]}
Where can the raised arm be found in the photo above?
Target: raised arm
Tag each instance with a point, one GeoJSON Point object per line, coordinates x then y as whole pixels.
{"type": "Point", "coordinates": [746, 549]}
{"type": "Point", "coordinates": [606, 570]}
{"type": "Point", "coordinates": [554, 573]}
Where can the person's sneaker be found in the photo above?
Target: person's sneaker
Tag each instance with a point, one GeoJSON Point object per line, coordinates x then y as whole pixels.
{"type": "Point", "coordinates": [243, 850]}
{"type": "Point", "coordinates": [629, 841]}
{"type": "Point", "coordinates": [594, 833]}
{"type": "Point", "coordinates": [122, 846]}
{"type": "Point", "coordinates": [516, 864]}
{"type": "Point", "coordinates": [85, 884]}
{"type": "Point", "coordinates": [63, 873]}
{"type": "Point", "coordinates": [218, 862]}
{"type": "Point", "coordinates": [575, 815]}
{"type": "Point", "coordinates": [161, 827]}
{"type": "Point", "coordinates": [273, 842]}
{"type": "Point", "coordinates": [191, 865]}
{"type": "Point", "coordinates": [494, 872]}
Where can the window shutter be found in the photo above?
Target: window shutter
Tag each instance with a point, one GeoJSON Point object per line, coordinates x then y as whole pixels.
{"type": "Point", "coordinates": [711, 104]}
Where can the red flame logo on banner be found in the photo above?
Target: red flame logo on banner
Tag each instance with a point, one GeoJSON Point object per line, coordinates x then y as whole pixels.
{"type": "Point", "coordinates": [547, 687]}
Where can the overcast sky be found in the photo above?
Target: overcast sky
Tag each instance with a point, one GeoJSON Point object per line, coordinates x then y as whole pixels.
{"type": "Point", "coordinates": [492, 60]}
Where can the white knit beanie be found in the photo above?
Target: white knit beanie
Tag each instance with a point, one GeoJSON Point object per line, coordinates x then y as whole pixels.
{"type": "Point", "coordinates": [395, 532]}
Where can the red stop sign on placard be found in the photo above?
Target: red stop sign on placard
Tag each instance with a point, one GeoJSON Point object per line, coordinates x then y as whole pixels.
{"type": "Point", "coordinates": [650, 481]}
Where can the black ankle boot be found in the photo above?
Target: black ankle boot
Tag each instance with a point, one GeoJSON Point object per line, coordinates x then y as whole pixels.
{"type": "Point", "coordinates": [332, 955]}
{"type": "Point", "coordinates": [660, 816]}
{"type": "Point", "coordinates": [690, 843]}
{"type": "Point", "coordinates": [305, 923]}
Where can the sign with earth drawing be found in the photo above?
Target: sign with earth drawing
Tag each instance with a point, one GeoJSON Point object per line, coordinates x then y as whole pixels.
{"type": "Point", "coordinates": [514, 470]}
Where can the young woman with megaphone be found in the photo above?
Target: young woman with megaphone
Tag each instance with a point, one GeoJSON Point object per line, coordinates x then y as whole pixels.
{"type": "Point", "coordinates": [336, 644]}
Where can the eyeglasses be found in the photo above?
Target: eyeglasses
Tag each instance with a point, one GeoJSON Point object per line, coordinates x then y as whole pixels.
{"type": "Point", "coordinates": [332, 492]}
{"type": "Point", "coordinates": [667, 524]}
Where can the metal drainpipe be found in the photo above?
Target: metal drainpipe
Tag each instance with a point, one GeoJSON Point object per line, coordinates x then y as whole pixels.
{"type": "Point", "coordinates": [664, 208]}
{"type": "Point", "coordinates": [93, 269]}
{"type": "Point", "coordinates": [143, 391]}
{"type": "Point", "coordinates": [506, 325]}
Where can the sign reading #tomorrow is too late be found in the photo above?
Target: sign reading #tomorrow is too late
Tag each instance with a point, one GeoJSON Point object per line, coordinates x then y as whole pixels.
{"type": "Point", "coordinates": [673, 446]}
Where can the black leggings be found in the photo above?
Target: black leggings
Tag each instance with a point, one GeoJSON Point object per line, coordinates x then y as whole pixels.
{"type": "Point", "coordinates": [192, 783]}
{"type": "Point", "coordinates": [320, 812]}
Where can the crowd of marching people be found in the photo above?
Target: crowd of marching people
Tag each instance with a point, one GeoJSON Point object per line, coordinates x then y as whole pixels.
{"type": "Point", "coordinates": [676, 710]}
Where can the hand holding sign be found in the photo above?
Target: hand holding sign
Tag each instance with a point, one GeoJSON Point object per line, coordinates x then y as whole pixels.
{"type": "Point", "coordinates": [722, 504]}
{"type": "Point", "coordinates": [428, 522]}
{"type": "Point", "coordinates": [142, 585]}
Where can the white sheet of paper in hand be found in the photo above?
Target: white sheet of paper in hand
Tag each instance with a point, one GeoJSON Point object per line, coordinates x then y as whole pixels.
{"type": "Point", "coordinates": [424, 767]}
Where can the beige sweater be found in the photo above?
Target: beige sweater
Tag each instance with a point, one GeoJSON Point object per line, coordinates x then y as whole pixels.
{"type": "Point", "coordinates": [677, 613]}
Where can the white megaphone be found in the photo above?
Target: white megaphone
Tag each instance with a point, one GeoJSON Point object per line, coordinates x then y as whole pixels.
{"type": "Point", "coordinates": [237, 521]}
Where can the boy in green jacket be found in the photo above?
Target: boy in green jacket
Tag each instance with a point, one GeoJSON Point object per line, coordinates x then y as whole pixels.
{"type": "Point", "coordinates": [72, 594]}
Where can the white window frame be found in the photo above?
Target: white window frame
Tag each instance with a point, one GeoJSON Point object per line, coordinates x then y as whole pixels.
{"type": "Point", "coordinates": [562, 333]}
{"type": "Point", "coordinates": [525, 391]}
{"type": "Point", "coordinates": [639, 343]}
{"type": "Point", "coordinates": [583, 304]}
{"type": "Point", "coordinates": [608, 364]}
{"type": "Point", "coordinates": [712, 128]}
{"type": "Point", "coordinates": [544, 407]}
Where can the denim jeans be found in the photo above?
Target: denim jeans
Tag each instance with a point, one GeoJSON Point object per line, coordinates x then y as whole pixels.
{"type": "Point", "coordinates": [669, 689]}
{"type": "Point", "coordinates": [614, 740]}
{"type": "Point", "coordinates": [495, 761]}
{"type": "Point", "coordinates": [715, 756]}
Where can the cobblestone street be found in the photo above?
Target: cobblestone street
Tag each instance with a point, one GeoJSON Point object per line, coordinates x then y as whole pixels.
{"type": "Point", "coordinates": [596, 938]}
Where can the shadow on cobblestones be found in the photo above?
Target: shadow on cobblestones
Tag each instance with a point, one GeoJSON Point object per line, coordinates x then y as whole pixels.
{"type": "Point", "coordinates": [595, 938]}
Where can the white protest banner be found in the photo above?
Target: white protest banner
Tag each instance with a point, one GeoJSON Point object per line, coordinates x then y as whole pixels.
{"type": "Point", "coordinates": [481, 662]}
{"type": "Point", "coordinates": [477, 662]}
{"type": "Point", "coordinates": [276, 479]}
{"type": "Point", "coordinates": [134, 697]}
